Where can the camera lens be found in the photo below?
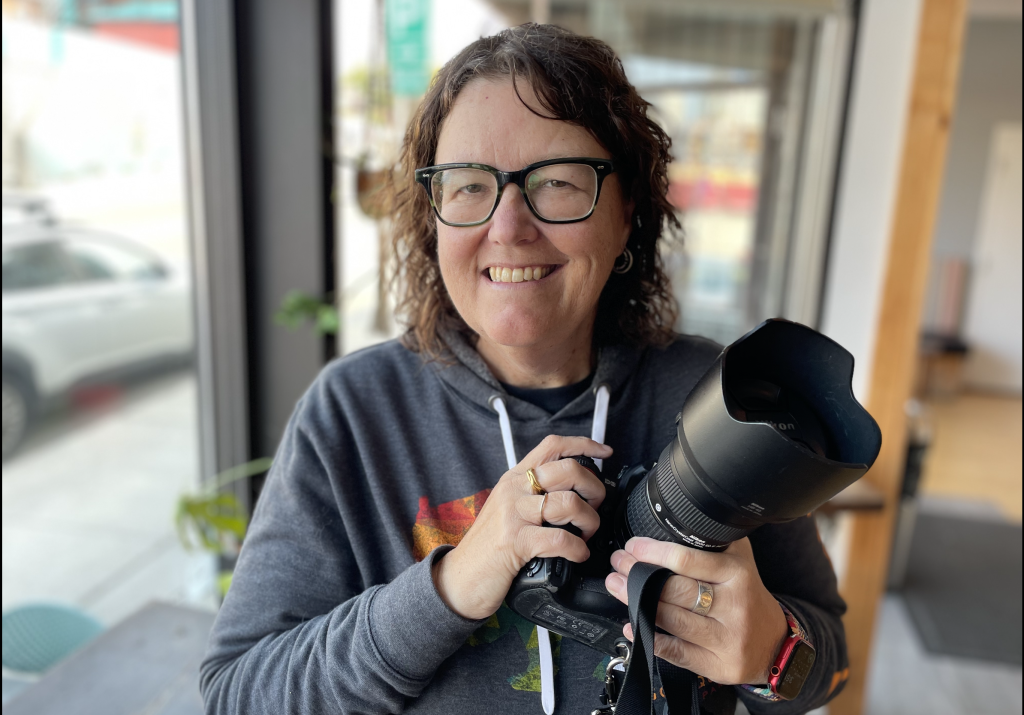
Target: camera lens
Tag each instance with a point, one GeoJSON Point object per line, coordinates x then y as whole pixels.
{"type": "Point", "coordinates": [771, 432]}
{"type": "Point", "coordinates": [662, 508]}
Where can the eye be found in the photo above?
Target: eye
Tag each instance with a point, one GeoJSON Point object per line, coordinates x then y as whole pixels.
{"type": "Point", "coordinates": [472, 188]}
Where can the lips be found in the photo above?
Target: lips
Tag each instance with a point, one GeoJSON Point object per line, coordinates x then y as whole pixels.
{"type": "Point", "coordinates": [500, 274]}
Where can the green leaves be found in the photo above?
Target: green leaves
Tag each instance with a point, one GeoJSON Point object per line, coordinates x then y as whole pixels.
{"type": "Point", "coordinates": [298, 308]}
{"type": "Point", "coordinates": [213, 519]}
{"type": "Point", "coordinates": [214, 522]}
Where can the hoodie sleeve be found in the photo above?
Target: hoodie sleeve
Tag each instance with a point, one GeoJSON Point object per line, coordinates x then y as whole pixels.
{"type": "Point", "coordinates": [796, 570]}
{"type": "Point", "coordinates": [299, 630]}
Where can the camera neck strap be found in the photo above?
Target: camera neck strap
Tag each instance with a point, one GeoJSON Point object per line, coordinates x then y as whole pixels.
{"type": "Point", "coordinates": [638, 696]}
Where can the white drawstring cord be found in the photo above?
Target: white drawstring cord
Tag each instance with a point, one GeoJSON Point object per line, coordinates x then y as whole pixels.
{"type": "Point", "coordinates": [498, 405]}
{"type": "Point", "coordinates": [597, 430]}
{"type": "Point", "coordinates": [601, 399]}
{"type": "Point", "coordinates": [547, 666]}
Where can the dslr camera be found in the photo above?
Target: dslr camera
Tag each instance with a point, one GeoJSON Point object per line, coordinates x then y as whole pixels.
{"type": "Point", "coordinates": [769, 433]}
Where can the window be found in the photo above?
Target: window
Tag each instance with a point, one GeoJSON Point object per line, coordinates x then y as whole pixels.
{"type": "Point", "coordinates": [105, 260]}
{"type": "Point", "coordinates": [752, 96]}
{"type": "Point", "coordinates": [35, 266]}
{"type": "Point", "coordinates": [92, 152]}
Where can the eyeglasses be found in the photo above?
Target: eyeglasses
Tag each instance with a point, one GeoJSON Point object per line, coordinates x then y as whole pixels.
{"type": "Point", "coordinates": [556, 190]}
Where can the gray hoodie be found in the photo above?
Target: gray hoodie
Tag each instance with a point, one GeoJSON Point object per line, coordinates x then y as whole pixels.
{"type": "Point", "coordinates": [383, 466]}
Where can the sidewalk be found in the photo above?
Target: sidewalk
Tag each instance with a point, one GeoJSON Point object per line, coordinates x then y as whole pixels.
{"type": "Point", "coordinates": [88, 506]}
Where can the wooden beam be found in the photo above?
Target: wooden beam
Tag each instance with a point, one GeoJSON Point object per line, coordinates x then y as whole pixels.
{"type": "Point", "coordinates": [932, 97]}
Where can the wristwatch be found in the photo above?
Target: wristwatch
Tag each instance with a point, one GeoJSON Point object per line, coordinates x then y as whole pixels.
{"type": "Point", "coordinates": [791, 666]}
{"type": "Point", "coordinates": [794, 662]}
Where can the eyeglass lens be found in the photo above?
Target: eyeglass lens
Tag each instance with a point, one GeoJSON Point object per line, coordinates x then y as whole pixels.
{"type": "Point", "coordinates": [557, 192]}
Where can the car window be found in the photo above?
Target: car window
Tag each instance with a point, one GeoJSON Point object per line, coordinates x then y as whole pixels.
{"type": "Point", "coordinates": [107, 260]}
{"type": "Point", "coordinates": [36, 265]}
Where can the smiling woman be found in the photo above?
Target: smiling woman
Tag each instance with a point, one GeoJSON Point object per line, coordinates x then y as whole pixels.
{"type": "Point", "coordinates": [517, 88]}
{"type": "Point", "coordinates": [575, 257]}
{"type": "Point", "coordinates": [398, 511]}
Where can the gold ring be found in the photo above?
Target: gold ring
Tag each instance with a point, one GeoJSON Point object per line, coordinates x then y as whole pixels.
{"type": "Point", "coordinates": [535, 486]}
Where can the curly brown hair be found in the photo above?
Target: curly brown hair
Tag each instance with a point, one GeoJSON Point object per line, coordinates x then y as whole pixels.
{"type": "Point", "coordinates": [578, 80]}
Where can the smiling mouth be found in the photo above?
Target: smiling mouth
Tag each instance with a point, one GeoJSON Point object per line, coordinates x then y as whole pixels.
{"type": "Point", "coordinates": [499, 274]}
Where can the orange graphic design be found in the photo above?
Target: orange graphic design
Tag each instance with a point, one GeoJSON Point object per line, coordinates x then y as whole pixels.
{"type": "Point", "coordinates": [446, 523]}
{"type": "Point", "coordinates": [840, 676]}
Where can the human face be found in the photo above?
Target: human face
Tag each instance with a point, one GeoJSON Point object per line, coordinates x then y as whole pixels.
{"type": "Point", "coordinates": [488, 124]}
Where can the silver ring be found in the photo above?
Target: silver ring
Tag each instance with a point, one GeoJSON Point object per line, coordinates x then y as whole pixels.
{"type": "Point", "coordinates": [705, 595]}
{"type": "Point", "coordinates": [543, 503]}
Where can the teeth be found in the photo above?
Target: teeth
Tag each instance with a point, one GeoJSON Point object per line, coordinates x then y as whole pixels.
{"type": "Point", "coordinates": [517, 275]}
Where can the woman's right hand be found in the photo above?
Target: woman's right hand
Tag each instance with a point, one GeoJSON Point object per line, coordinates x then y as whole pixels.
{"type": "Point", "coordinates": [474, 577]}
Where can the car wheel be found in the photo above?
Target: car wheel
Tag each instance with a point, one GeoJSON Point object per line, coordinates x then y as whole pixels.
{"type": "Point", "coordinates": [17, 401]}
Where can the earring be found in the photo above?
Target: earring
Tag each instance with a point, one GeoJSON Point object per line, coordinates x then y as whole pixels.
{"type": "Point", "coordinates": [624, 262]}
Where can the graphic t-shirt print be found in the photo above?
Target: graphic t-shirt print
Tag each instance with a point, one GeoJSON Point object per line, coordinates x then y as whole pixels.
{"type": "Point", "coordinates": [447, 523]}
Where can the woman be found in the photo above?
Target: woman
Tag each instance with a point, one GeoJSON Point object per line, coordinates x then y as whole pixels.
{"type": "Point", "coordinates": [384, 542]}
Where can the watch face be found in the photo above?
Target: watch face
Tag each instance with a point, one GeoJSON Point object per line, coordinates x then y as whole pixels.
{"type": "Point", "coordinates": [798, 667]}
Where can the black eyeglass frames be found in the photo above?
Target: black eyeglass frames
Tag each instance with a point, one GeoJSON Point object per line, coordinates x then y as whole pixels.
{"type": "Point", "coordinates": [556, 190]}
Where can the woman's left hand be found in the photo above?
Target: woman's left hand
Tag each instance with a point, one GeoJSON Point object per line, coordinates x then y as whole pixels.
{"type": "Point", "coordinates": [739, 639]}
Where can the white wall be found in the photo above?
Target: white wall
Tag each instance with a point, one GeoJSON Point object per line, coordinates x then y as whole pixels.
{"type": "Point", "coordinates": [989, 93]}
{"type": "Point", "coordinates": [868, 179]}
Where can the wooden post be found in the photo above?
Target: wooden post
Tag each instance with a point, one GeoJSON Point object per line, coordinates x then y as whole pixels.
{"type": "Point", "coordinates": [932, 96]}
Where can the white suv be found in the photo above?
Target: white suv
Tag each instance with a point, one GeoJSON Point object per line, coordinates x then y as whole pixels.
{"type": "Point", "coordinates": [77, 303]}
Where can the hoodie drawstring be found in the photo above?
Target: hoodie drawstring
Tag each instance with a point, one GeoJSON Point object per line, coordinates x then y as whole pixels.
{"type": "Point", "coordinates": [601, 399]}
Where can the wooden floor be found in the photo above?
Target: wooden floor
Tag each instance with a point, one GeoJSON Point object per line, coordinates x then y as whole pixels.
{"type": "Point", "coordinates": [976, 452]}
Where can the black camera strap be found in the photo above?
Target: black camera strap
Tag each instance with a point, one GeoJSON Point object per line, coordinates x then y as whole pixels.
{"type": "Point", "coordinates": [637, 696]}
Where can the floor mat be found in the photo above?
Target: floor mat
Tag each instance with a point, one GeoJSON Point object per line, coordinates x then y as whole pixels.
{"type": "Point", "coordinates": [963, 587]}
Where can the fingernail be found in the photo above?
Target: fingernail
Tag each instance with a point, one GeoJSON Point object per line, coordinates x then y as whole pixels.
{"type": "Point", "coordinates": [631, 544]}
{"type": "Point", "coordinates": [616, 558]}
{"type": "Point", "coordinates": [627, 630]}
{"type": "Point", "coordinates": [615, 582]}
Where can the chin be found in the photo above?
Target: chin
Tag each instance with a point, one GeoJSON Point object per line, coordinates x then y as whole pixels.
{"type": "Point", "coordinates": [517, 333]}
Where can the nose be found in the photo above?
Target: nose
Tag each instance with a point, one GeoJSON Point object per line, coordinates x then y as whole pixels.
{"type": "Point", "coordinates": [512, 222]}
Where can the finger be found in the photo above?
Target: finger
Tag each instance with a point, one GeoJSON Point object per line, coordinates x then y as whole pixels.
{"type": "Point", "coordinates": [692, 657]}
{"type": "Point", "coordinates": [559, 508]}
{"type": "Point", "coordinates": [704, 565]}
{"type": "Point", "coordinates": [681, 591]}
{"type": "Point", "coordinates": [695, 658]}
{"type": "Point", "coordinates": [553, 447]}
{"type": "Point", "coordinates": [683, 623]}
{"type": "Point", "coordinates": [569, 475]}
{"type": "Point", "coordinates": [545, 542]}
{"type": "Point", "coordinates": [569, 508]}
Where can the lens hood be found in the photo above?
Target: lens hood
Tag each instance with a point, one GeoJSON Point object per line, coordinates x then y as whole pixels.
{"type": "Point", "coordinates": [741, 466]}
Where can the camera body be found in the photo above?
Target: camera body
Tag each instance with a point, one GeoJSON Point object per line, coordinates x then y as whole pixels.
{"type": "Point", "coordinates": [569, 598]}
{"type": "Point", "coordinates": [769, 433]}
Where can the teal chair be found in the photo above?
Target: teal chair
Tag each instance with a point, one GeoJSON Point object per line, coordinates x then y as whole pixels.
{"type": "Point", "coordinates": [37, 636]}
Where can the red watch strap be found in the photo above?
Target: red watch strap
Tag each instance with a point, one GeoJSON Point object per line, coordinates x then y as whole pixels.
{"type": "Point", "coordinates": [778, 669]}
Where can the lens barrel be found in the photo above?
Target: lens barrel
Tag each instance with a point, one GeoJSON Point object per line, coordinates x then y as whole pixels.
{"type": "Point", "coordinates": [771, 432]}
